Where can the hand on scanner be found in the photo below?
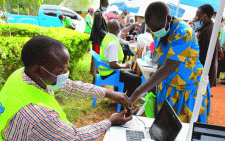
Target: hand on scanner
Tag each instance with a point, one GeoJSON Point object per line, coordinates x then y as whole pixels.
{"type": "Point", "coordinates": [119, 119]}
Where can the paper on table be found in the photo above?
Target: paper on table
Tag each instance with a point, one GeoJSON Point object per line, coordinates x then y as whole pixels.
{"type": "Point", "coordinates": [150, 64]}
{"type": "Point", "coordinates": [135, 123]}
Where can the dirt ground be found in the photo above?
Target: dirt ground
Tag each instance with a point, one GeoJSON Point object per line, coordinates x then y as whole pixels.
{"type": "Point", "coordinates": [217, 110]}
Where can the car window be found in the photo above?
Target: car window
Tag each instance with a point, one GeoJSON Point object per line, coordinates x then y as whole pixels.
{"type": "Point", "coordinates": [69, 14]}
{"type": "Point", "coordinates": [50, 12]}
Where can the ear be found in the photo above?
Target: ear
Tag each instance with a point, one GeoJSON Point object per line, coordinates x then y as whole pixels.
{"type": "Point", "coordinates": [169, 19]}
{"type": "Point", "coordinates": [36, 70]}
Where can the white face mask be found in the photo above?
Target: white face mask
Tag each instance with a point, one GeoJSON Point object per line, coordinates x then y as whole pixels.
{"type": "Point", "coordinates": [162, 32]}
{"type": "Point", "coordinates": [61, 80]}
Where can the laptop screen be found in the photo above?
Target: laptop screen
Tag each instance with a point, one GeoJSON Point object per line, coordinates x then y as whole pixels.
{"type": "Point", "coordinates": [166, 125]}
{"type": "Point", "coordinates": [207, 132]}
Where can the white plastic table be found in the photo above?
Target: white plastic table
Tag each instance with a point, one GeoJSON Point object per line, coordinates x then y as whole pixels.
{"type": "Point", "coordinates": [146, 70]}
{"type": "Point", "coordinates": [148, 122]}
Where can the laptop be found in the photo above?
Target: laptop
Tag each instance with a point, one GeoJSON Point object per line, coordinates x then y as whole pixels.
{"type": "Point", "coordinates": [207, 132]}
{"type": "Point", "coordinates": [165, 127]}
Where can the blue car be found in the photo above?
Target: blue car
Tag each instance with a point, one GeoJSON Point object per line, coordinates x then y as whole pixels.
{"type": "Point", "coordinates": [48, 16]}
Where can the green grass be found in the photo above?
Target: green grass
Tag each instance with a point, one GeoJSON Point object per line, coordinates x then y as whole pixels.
{"type": "Point", "coordinates": [83, 69]}
{"type": "Point", "coordinates": [78, 109]}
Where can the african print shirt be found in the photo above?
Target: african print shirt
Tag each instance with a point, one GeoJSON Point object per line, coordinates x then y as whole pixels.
{"type": "Point", "coordinates": [181, 46]}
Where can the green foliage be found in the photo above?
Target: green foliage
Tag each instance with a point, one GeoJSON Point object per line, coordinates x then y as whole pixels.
{"type": "Point", "coordinates": [10, 52]}
{"type": "Point", "coordinates": [10, 47]}
{"type": "Point", "coordinates": [78, 5]}
{"type": "Point", "coordinates": [82, 73]}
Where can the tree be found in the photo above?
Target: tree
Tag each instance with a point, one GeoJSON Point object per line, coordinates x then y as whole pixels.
{"type": "Point", "coordinates": [78, 5]}
{"type": "Point", "coordinates": [3, 4]}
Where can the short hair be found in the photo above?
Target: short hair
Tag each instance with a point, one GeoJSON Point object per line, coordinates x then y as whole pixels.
{"type": "Point", "coordinates": [159, 10]}
{"type": "Point", "coordinates": [113, 25]}
{"type": "Point", "coordinates": [115, 12]}
{"type": "Point", "coordinates": [102, 1]}
{"type": "Point", "coordinates": [125, 10]}
{"type": "Point", "coordinates": [38, 50]}
{"type": "Point", "coordinates": [60, 16]}
{"type": "Point", "coordinates": [132, 19]}
{"type": "Point", "coordinates": [148, 29]}
{"type": "Point", "coordinates": [207, 9]}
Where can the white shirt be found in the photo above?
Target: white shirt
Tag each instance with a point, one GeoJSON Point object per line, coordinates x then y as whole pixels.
{"type": "Point", "coordinates": [112, 50]}
{"type": "Point", "coordinates": [144, 39]}
{"type": "Point", "coordinates": [122, 41]}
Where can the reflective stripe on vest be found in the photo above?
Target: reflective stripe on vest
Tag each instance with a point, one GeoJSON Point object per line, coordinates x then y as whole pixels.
{"type": "Point", "coordinates": [103, 71]}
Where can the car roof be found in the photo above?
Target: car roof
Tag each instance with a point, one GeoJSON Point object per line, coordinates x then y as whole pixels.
{"type": "Point", "coordinates": [58, 7]}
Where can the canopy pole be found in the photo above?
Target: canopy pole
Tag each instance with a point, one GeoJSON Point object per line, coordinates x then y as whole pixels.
{"type": "Point", "coordinates": [178, 8]}
{"type": "Point", "coordinates": [204, 77]}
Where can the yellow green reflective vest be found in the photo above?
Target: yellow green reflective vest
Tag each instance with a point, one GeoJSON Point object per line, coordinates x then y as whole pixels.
{"type": "Point", "coordinates": [103, 71]}
{"type": "Point", "coordinates": [16, 94]}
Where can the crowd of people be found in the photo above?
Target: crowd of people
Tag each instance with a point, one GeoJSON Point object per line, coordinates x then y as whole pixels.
{"type": "Point", "coordinates": [181, 48]}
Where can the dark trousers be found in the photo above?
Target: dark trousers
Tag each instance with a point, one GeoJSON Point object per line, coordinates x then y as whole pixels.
{"type": "Point", "coordinates": [130, 79]}
{"type": "Point", "coordinates": [126, 52]}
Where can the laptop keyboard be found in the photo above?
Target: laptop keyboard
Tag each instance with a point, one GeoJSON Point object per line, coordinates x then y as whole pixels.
{"type": "Point", "coordinates": [133, 135]}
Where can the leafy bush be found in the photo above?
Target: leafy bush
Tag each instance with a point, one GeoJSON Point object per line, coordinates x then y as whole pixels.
{"type": "Point", "coordinates": [10, 47]}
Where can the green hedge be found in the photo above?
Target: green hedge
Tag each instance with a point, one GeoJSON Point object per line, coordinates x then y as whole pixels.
{"type": "Point", "coordinates": [10, 47]}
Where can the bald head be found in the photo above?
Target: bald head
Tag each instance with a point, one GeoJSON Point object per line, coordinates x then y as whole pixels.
{"type": "Point", "coordinates": [113, 27]}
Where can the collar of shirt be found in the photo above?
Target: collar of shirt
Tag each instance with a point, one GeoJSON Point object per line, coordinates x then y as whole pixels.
{"type": "Point", "coordinates": [29, 81]}
{"type": "Point", "coordinates": [114, 35]}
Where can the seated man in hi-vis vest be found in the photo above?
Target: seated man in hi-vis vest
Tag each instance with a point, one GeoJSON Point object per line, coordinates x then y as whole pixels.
{"type": "Point", "coordinates": [111, 52]}
{"type": "Point", "coordinates": [28, 108]}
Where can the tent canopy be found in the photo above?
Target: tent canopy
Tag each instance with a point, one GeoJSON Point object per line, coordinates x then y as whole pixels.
{"type": "Point", "coordinates": [127, 5]}
{"type": "Point", "coordinates": [198, 3]}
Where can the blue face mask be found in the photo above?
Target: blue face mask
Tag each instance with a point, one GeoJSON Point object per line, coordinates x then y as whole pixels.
{"type": "Point", "coordinates": [162, 32]}
{"type": "Point", "coordinates": [104, 9]}
{"type": "Point", "coordinates": [61, 81]}
{"type": "Point", "coordinates": [198, 24]}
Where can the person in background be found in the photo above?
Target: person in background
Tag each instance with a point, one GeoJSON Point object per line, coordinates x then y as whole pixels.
{"type": "Point", "coordinates": [112, 15]}
{"type": "Point", "coordinates": [112, 53]}
{"type": "Point", "coordinates": [122, 18]}
{"type": "Point", "coordinates": [221, 61]}
{"type": "Point", "coordinates": [131, 21]}
{"type": "Point", "coordinates": [125, 44]}
{"type": "Point", "coordinates": [142, 28]}
{"type": "Point", "coordinates": [31, 110]}
{"type": "Point", "coordinates": [132, 32]}
{"type": "Point", "coordinates": [143, 40]}
{"type": "Point", "coordinates": [67, 22]}
{"type": "Point", "coordinates": [89, 21]}
{"type": "Point", "coordinates": [204, 26]}
{"type": "Point", "coordinates": [179, 72]}
{"type": "Point", "coordinates": [99, 31]}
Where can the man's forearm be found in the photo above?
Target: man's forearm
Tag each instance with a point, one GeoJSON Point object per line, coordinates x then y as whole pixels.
{"type": "Point", "coordinates": [114, 65]}
{"type": "Point", "coordinates": [88, 24]}
{"type": "Point", "coordinates": [71, 27]}
{"type": "Point", "coordinates": [125, 30]}
{"type": "Point", "coordinates": [92, 132]}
